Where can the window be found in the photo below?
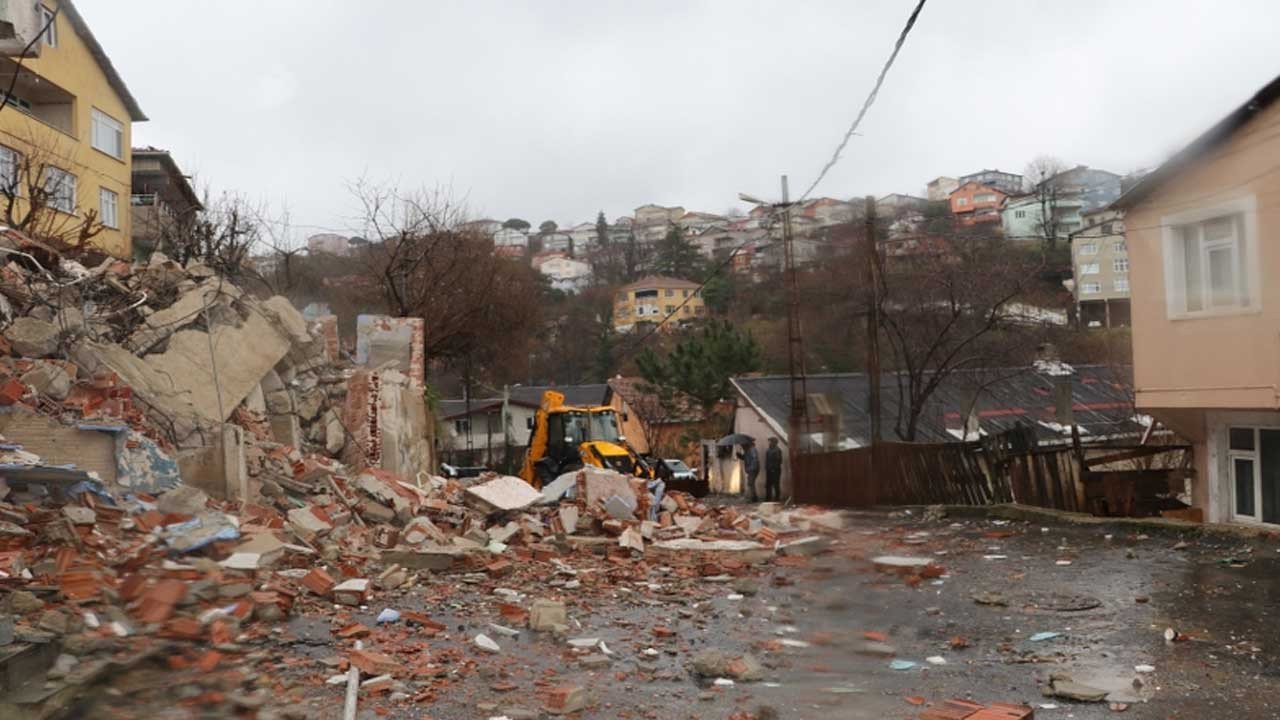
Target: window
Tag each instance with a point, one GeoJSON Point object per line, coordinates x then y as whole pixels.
{"type": "Point", "coordinates": [1119, 247]}
{"type": "Point", "coordinates": [1121, 285]}
{"type": "Point", "coordinates": [670, 292]}
{"type": "Point", "coordinates": [462, 426]}
{"type": "Point", "coordinates": [60, 186]}
{"type": "Point", "coordinates": [1089, 248]}
{"type": "Point", "coordinates": [1254, 460]}
{"type": "Point", "coordinates": [10, 168]}
{"type": "Point", "coordinates": [686, 310]}
{"type": "Point", "coordinates": [962, 201]}
{"type": "Point", "coordinates": [685, 292]}
{"type": "Point", "coordinates": [1120, 265]}
{"type": "Point", "coordinates": [1019, 214]}
{"type": "Point", "coordinates": [671, 309]}
{"type": "Point", "coordinates": [51, 33]}
{"type": "Point", "coordinates": [985, 197]}
{"type": "Point", "coordinates": [1207, 260]}
{"type": "Point", "coordinates": [1090, 288]}
{"type": "Point", "coordinates": [1089, 268]}
{"type": "Point", "coordinates": [108, 202]}
{"type": "Point", "coordinates": [108, 134]}
{"type": "Point", "coordinates": [1106, 228]}
{"type": "Point", "coordinates": [14, 101]}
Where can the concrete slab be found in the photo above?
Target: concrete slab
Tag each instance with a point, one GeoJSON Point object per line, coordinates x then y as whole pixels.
{"type": "Point", "coordinates": [505, 493]}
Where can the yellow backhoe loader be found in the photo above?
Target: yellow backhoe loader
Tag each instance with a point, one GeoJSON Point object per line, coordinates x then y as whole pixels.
{"type": "Point", "coordinates": [567, 437]}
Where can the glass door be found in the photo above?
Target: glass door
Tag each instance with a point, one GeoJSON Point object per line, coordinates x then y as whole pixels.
{"type": "Point", "coordinates": [1245, 486]}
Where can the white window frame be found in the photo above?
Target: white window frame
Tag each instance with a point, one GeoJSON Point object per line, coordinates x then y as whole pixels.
{"type": "Point", "coordinates": [51, 34]}
{"type": "Point", "coordinates": [11, 165]}
{"type": "Point", "coordinates": [113, 202]}
{"type": "Point", "coordinates": [102, 124]}
{"type": "Point", "coordinates": [1119, 246]}
{"type": "Point", "coordinates": [1120, 285]}
{"type": "Point", "coordinates": [53, 198]}
{"type": "Point", "coordinates": [1255, 456]}
{"type": "Point", "coordinates": [1120, 264]}
{"type": "Point", "coordinates": [1091, 288]}
{"type": "Point", "coordinates": [1089, 248]}
{"type": "Point", "coordinates": [1089, 268]}
{"type": "Point", "coordinates": [1175, 271]}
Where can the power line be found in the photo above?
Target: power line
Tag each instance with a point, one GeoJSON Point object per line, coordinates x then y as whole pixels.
{"type": "Point", "coordinates": [866, 105]}
{"type": "Point", "coordinates": [871, 98]}
{"type": "Point", "coordinates": [8, 95]}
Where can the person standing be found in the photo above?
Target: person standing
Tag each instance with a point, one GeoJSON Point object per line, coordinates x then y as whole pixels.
{"type": "Point", "coordinates": [751, 466]}
{"type": "Point", "coordinates": [773, 471]}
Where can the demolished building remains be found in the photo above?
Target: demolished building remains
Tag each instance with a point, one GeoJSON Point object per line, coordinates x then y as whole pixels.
{"type": "Point", "coordinates": [185, 466]}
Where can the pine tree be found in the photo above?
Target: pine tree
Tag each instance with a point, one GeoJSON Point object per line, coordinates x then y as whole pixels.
{"type": "Point", "coordinates": [701, 365]}
{"type": "Point", "coordinates": [677, 257]}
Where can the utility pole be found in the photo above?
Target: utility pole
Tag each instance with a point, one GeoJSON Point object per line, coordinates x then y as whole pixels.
{"type": "Point", "coordinates": [798, 420]}
{"type": "Point", "coordinates": [872, 254]}
{"type": "Point", "coordinates": [506, 426]}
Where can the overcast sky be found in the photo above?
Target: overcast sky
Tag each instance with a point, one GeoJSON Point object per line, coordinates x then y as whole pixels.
{"type": "Point", "coordinates": [560, 109]}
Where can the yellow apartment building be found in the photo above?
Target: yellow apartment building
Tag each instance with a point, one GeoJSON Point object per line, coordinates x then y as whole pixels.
{"type": "Point", "coordinates": [653, 298]}
{"type": "Point", "coordinates": [65, 131]}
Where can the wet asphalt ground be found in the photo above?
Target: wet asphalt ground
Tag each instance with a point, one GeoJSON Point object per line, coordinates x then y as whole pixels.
{"type": "Point", "coordinates": [829, 630]}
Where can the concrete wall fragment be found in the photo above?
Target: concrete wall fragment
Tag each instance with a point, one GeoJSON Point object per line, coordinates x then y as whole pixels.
{"type": "Point", "coordinates": [59, 444]}
{"type": "Point", "coordinates": [220, 469]}
{"type": "Point", "coordinates": [187, 385]}
{"type": "Point", "coordinates": [381, 339]}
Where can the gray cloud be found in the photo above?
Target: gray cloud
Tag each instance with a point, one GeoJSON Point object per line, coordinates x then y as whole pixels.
{"type": "Point", "coordinates": [556, 110]}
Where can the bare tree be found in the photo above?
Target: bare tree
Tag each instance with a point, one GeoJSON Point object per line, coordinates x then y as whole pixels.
{"type": "Point", "coordinates": [1039, 175]}
{"type": "Point", "coordinates": [38, 194]}
{"type": "Point", "coordinates": [423, 261]}
{"type": "Point", "coordinates": [223, 235]}
{"type": "Point", "coordinates": [945, 311]}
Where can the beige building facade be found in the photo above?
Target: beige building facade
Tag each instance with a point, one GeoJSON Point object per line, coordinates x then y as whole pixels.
{"type": "Point", "coordinates": [1203, 236]}
{"type": "Point", "coordinates": [1100, 268]}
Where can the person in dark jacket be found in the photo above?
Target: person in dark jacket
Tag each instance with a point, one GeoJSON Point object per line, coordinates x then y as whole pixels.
{"type": "Point", "coordinates": [751, 466]}
{"type": "Point", "coordinates": [773, 471]}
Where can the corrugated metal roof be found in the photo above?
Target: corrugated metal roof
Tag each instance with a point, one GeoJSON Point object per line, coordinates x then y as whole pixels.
{"type": "Point", "coordinates": [1006, 397]}
{"type": "Point", "coordinates": [528, 396]}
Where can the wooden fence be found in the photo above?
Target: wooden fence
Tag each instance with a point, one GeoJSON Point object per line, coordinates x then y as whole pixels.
{"type": "Point", "coordinates": [1000, 470]}
{"type": "Point", "coordinates": [897, 474]}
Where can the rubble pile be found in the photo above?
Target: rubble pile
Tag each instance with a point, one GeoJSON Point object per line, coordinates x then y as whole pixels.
{"type": "Point", "coordinates": [103, 577]}
{"type": "Point", "coordinates": [191, 479]}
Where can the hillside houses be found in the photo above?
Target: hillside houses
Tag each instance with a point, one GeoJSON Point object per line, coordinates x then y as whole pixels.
{"type": "Point", "coordinates": [1068, 207]}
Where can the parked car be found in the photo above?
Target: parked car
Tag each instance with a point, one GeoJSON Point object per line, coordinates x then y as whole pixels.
{"type": "Point", "coordinates": [461, 471]}
{"type": "Point", "coordinates": [684, 478]}
{"type": "Point", "coordinates": [679, 471]}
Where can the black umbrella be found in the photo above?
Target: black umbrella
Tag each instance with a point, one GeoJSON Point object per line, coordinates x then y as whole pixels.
{"type": "Point", "coordinates": [735, 439]}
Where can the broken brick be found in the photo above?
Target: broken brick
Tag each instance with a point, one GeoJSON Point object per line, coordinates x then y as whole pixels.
{"type": "Point", "coordinates": [319, 582]}
{"type": "Point", "coordinates": [209, 661]}
{"type": "Point", "coordinates": [374, 663]}
{"type": "Point", "coordinates": [157, 602]}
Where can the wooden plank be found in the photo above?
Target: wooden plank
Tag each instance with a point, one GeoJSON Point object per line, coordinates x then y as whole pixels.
{"type": "Point", "coordinates": [1133, 454]}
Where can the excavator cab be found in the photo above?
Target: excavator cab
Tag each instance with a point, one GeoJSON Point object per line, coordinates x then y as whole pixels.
{"type": "Point", "coordinates": [565, 438]}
